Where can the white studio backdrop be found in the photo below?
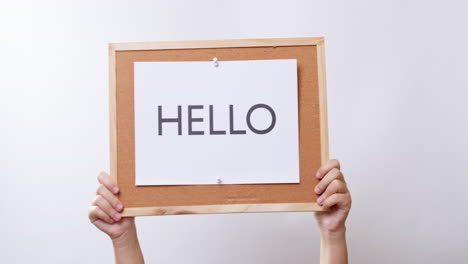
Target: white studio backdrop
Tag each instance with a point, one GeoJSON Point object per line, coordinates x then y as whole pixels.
{"type": "Point", "coordinates": [398, 121]}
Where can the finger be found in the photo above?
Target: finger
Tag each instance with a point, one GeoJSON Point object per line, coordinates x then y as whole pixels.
{"type": "Point", "coordinates": [107, 181]}
{"type": "Point", "coordinates": [342, 200]}
{"type": "Point", "coordinates": [336, 186]}
{"type": "Point", "coordinates": [110, 197]}
{"type": "Point", "coordinates": [104, 205]}
{"type": "Point", "coordinates": [325, 181]}
{"type": "Point", "coordinates": [95, 213]}
{"type": "Point", "coordinates": [328, 166]}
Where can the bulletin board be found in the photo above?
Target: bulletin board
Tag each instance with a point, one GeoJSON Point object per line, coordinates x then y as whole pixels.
{"type": "Point", "coordinates": [222, 198]}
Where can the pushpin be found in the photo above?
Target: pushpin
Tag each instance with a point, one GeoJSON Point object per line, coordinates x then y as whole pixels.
{"type": "Point", "coordinates": [216, 63]}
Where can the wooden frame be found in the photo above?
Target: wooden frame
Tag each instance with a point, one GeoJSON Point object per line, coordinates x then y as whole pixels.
{"type": "Point", "coordinates": [217, 44]}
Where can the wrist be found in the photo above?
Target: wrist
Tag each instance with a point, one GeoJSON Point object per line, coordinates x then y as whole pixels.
{"type": "Point", "coordinates": [333, 248]}
{"type": "Point", "coordinates": [335, 235]}
{"type": "Point", "coordinates": [126, 246]}
{"type": "Point", "coordinates": [128, 237]}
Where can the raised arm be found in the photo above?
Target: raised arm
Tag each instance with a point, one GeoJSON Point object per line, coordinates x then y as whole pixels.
{"type": "Point", "coordinates": [104, 213]}
{"type": "Point", "coordinates": [335, 199]}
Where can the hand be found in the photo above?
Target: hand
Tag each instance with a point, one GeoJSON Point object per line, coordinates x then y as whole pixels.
{"type": "Point", "coordinates": [104, 211]}
{"type": "Point", "coordinates": [334, 197]}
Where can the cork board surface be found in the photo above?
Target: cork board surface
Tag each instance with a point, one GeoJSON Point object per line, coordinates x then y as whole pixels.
{"type": "Point", "coordinates": [191, 195]}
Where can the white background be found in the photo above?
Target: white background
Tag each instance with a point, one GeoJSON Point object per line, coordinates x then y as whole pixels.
{"type": "Point", "coordinates": [172, 159]}
{"type": "Point", "coordinates": [398, 114]}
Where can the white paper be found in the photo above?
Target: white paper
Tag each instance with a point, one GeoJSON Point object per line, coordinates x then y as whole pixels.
{"type": "Point", "coordinates": [172, 159]}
